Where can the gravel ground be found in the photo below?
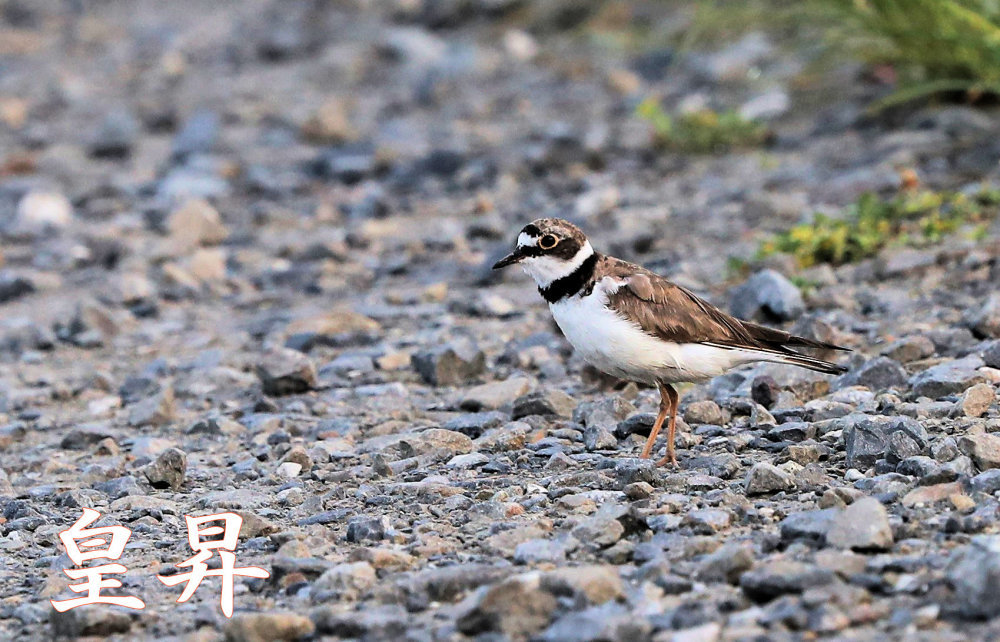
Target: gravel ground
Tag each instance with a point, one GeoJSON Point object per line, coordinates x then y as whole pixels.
{"type": "Point", "coordinates": [245, 268]}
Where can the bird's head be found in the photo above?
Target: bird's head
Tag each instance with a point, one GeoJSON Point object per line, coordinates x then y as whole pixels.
{"type": "Point", "coordinates": [548, 249]}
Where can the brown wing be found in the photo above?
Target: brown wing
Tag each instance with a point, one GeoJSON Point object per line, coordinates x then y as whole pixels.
{"type": "Point", "coordinates": [674, 313]}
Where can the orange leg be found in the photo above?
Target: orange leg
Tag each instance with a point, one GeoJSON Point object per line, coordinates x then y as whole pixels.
{"type": "Point", "coordinates": [671, 426]}
{"type": "Point", "coordinates": [665, 404]}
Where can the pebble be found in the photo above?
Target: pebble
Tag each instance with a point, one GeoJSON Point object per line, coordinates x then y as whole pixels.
{"type": "Point", "coordinates": [878, 374]}
{"type": "Point", "coordinates": [948, 378]}
{"type": "Point", "coordinates": [764, 479]}
{"type": "Point", "coordinates": [196, 223]}
{"type": "Point", "coordinates": [156, 410]}
{"type": "Point", "coordinates": [767, 295]}
{"type": "Point", "coordinates": [871, 438]}
{"type": "Point", "coordinates": [975, 401]}
{"type": "Point", "coordinates": [38, 212]}
{"type": "Point", "coordinates": [726, 564]}
{"type": "Point", "coordinates": [495, 394]}
{"type": "Point", "coordinates": [973, 571]}
{"type": "Point", "coordinates": [517, 607]}
{"type": "Point", "coordinates": [909, 349]}
{"type": "Point", "coordinates": [780, 577]}
{"type": "Point", "coordinates": [286, 372]}
{"type": "Point", "coordinates": [450, 365]}
{"type": "Point", "coordinates": [168, 469]}
{"type": "Point", "coordinates": [984, 449]}
{"type": "Point", "coordinates": [985, 319]}
{"type": "Point", "coordinates": [268, 627]}
{"type": "Point", "coordinates": [864, 525]}
{"type": "Point", "coordinates": [547, 401]}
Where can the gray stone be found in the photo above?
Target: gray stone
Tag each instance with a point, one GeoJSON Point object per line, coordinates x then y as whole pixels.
{"type": "Point", "coordinates": [727, 563]}
{"type": "Point", "coordinates": [871, 438]}
{"type": "Point", "coordinates": [453, 364]}
{"type": "Point", "coordinates": [85, 436]}
{"type": "Point", "coordinates": [593, 584]}
{"type": "Point", "coordinates": [286, 372]}
{"type": "Point", "coordinates": [599, 438]}
{"type": "Point", "coordinates": [548, 401]}
{"type": "Point", "coordinates": [986, 482]}
{"type": "Point", "coordinates": [115, 136]}
{"type": "Point", "coordinates": [167, 470]}
{"type": "Point", "coordinates": [600, 530]}
{"type": "Point", "coordinates": [909, 349]}
{"type": "Point", "coordinates": [98, 623]}
{"type": "Point", "coordinates": [470, 460]}
{"type": "Point", "coordinates": [984, 449]}
{"type": "Point", "coordinates": [388, 622]}
{"type": "Point", "coordinates": [267, 627]}
{"type": "Point", "coordinates": [540, 551]}
{"type": "Point", "coordinates": [766, 106]}
{"type": "Point", "coordinates": [411, 444]}
{"type": "Point", "coordinates": [14, 287]}
{"type": "Point", "coordinates": [638, 424]}
{"type": "Point", "coordinates": [792, 431]}
{"type": "Point", "coordinates": [947, 378]}
{"type": "Point", "coordinates": [658, 572]}
{"type": "Point", "coordinates": [975, 401]}
{"type": "Point", "coordinates": [632, 470]}
{"type": "Point", "coordinates": [810, 525]}
{"type": "Point", "coordinates": [157, 410]}
{"type": "Point", "coordinates": [38, 212]}
{"type": "Point", "coordinates": [764, 390]}
{"type": "Point", "coordinates": [120, 487]}
{"type": "Point", "coordinates": [703, 412]}
{"type": "Point", "coordinates": [365, 528]}
{"type": "Point", "coordinates": [348, 581]}
{"type": "Point", "coordinates": [724, 466]}
{"type": "Point", "coordinates": [765, 478]}
{"type": "Point", "coordinates": [767, 296]}
{"type": "Point", "coordinates": [606, 412]}
{"type": "Point", "coordinates": [516, 607]}
{"type": "Point", "coordinates": [927, 470]}
{"type": "Point", "coordinates": [864, 525]}
{"type": "Point", "coordinates": [198, 134]}
{"type": "Point", "coordinates": [475, 424]}
{"type": "Point", "coordinates": [495, 394]}
{"type": "Point", "coordinates": [880, 373]}
{"type": "Point", "coordinates": [708, 521]}
{"type": "Point", "coordinates": [781, 577]}
{"type": "Point", "coordinates": [991, 354]}
{"type": "Point", "coordinates": [974, 573]}
{"type": "Point", "coordinates": [985, 320]}
{"type": "Point", "coordinates": [609, 622]}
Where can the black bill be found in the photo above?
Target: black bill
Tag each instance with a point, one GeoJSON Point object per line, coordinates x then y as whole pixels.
{"type": "Point", "coordinates": [514, 257]}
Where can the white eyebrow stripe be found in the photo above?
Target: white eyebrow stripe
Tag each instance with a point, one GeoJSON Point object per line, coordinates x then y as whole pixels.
{"type": "Point", "coordinates": [524, 240]}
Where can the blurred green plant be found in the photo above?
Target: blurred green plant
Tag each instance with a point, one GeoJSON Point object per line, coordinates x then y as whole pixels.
{"type": "Point", "coordinates": [914, 218]}
{"type": "Point", "coordinates": [703, 131]}
{"type": "Point", "coordinates": [935, 47]}
{"type": "Point", "coordinates": [938, 46]}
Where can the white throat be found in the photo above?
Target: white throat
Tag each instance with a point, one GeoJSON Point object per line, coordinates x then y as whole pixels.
{"type": "Point", "coordinates": [547, 269]}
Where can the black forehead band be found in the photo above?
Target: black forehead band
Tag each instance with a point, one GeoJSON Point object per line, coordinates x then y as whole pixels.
{"type": "Point", "coordinates": [531, 230]}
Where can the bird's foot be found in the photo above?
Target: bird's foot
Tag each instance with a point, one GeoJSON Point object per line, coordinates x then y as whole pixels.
{"type": "Point", "coordinates": [669, 459]}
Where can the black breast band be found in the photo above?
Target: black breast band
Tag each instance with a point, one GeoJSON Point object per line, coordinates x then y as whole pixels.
{"type": "Point", "coordinates": [571, 283]}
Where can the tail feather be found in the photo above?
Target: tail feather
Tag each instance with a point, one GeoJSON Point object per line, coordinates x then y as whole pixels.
{"type": "Point", "coordinates": [797, 341]}
{"type": "Point", "coordinates": [779, 339]}
{"type": "Point", "coordinates": [811, 363]}
{"type": "Point", "coordinates": [769, 344]}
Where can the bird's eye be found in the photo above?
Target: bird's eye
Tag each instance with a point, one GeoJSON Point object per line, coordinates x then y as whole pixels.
{"type": "Point", "coordinates": [547, 242]}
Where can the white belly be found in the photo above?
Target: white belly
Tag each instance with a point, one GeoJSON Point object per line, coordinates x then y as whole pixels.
{"type": "Point", "coordinates": [620, 348]}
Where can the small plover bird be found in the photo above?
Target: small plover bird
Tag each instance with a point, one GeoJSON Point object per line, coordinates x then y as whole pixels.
{"type": "Point", "coordinates": [636, 325]}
